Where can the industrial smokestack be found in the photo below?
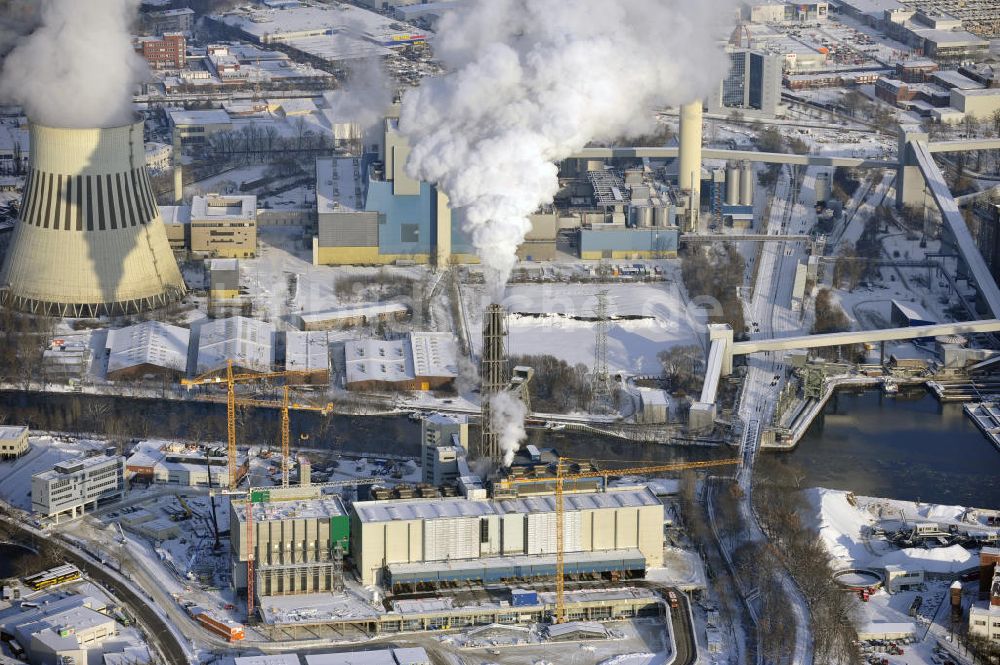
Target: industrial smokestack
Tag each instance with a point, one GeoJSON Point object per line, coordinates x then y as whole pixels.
{"type": "Point", "coordinates": [495, 373]}
{"type": "Point", "coordinates": [89, 240]}
{"type": "Point", "coordinates": [689, 161]}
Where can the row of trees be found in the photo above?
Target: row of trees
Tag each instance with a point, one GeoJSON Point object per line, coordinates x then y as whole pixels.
{"type": "Point", "coordinates": [780, 504]}
{"type": "Point", "coordinates": [716, 272]}
{"type": "Point", "coordinates": [557, 387]}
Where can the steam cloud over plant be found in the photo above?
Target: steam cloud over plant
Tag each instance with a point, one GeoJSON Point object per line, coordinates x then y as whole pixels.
{"type": "Point", "coordinates": [78, 68]}
{"type": "Point", "coordinates": [533, 81]}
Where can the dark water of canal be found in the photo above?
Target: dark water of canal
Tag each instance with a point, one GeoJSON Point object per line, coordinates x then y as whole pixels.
{"type": "Point", "coordinates": [908, 447]}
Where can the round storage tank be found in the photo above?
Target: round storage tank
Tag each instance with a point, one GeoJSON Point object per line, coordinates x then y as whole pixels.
{"type": "Point", "coordinates": [822, 187]}
{"type": "Point", "coordinates": [732, 184]}
{"type": "Point", "coordinates": [746, 184]}
{"type": "Point", "coordinates": [660, 215]}
{"type": "Point", "coordinates": [642, 216]}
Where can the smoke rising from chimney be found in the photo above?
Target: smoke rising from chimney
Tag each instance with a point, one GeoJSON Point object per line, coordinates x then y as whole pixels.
{"type": "Point", "coordinates": [78, 68]}
{"type": "Point", "coordinates": [508, 414]}
{"type": "Point", "coordinates": [533, 81]}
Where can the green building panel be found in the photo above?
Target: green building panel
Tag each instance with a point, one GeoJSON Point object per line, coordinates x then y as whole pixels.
{"type": "Point", "coordinates": [340, 532]}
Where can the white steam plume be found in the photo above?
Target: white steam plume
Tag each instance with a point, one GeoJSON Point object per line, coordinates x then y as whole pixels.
{"type": "Point", "coordinates": [533, 81]}
{"type": "Point", "coordinates": [365, 95]}
{"type": "Point", "coordinates": [507, 415]}
{"type": "Point", "coordinates": [78, 68]}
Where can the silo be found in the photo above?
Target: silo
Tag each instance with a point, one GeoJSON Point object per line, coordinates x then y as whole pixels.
{"type": "Point", "coordinates": [660, 217]}
{"type": "Point", "coordinates": [747, 181]}
{"type": "Point", "coordinates": [822, 187]}
{"type": "Point", "coordinates": [90, 240]}
{"type": "Point", "coordinates": [642, 216]}
{"type": "Point", "coordinates": [732, 184]}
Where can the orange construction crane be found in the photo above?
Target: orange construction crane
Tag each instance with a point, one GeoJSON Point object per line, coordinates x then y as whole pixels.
{"type": "Point", "coordinates": [561, 477]}
{"type": "Point", "coordinates": [230, 379]}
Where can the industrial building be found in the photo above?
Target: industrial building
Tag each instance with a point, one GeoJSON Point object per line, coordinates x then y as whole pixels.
{"type": "Point", "coordinates": [420, 361]}
{"type": "Point", "coordinates": [354, 316]}
{"type": "Point", "coordinates": [169, 20]}
{"type": "Point", "coordinates": [73, 486]}
{"type": "Point", "coordinates": [752, 86]}
{"type": "Point", "coordinates": [214, 225]}
{"type": "Point", "coordinates": [223, 279]}
{"type": "Point", "coordinates": [428, 540]}
{"type": "Point", "coordinates": [444, 440]}
{"type": "Point", "coordinates": [13, 441]}
{"type": "Point", "coordinates": [938, 35]}
{"type": "Point", "coordinates": [166, 52]}
{"type": "Point", "coordinates": [146, 350]}
{"type": "Point", "coordinates": [984, 617]}
{"type": "Point", "coordinates": [89, 240]}
{"type": "Point", "coordinates": [785, 13]}
{"type": "Point", "coordinates": [308, 354]}
{"type": "Point", "coordinates": [247, 343]}
{"type": "Point", "coordinates": [186, 465]}
{"type": "Point", "coordinates": [55, 630]}
{"type": "Point", "coordinates": [298, 539]}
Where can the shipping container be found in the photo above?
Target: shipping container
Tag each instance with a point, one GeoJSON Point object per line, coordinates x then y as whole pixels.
{"type": "Point", "coordinates": [227, 628]}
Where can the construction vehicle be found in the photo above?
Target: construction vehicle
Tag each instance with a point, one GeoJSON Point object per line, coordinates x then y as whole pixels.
{"type": "Point", "coordinates": [561, 477]}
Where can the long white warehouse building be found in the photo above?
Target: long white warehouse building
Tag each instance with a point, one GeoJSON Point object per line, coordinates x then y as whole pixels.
{"type": "Point", "coordinates": [387, 537]}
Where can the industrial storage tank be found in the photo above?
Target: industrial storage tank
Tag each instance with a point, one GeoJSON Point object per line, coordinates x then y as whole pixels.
{"type": "Point", "coordinates": [642, 216]}
{"type": "Point", "coordinates": [747, 181]}
{"type": "Point", "coordinates": [90, 240]}
{"type": "Point", "coordinates": [732, 184]}
{"type": "Point", "coordinates": [822, 187]}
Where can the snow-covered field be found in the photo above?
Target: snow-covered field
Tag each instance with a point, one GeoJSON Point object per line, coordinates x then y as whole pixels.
{"type": "Point", "coordinates": [543, 320]}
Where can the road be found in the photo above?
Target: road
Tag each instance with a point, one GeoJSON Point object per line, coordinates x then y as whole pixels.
{"type": "Point", "coordinates": [769, 314]}
{"type": "Point", "coordinates": [158, 632]}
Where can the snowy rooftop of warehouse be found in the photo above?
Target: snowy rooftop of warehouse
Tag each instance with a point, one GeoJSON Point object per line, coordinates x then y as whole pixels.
{"type": "Point", "coordinates": [275, 511]}
{"type": "Point", "coordinates": [247, 342]}
{"type": "Point", "coordinates": [377, 360]}
{"type": "Point", "coordinates": [314, 608]}
{"type": "Point", "coordinates": [434, 354]}
{"type": "Point", "coordinates": [307, 351]}
{"type": "Point", "coordinates": [148, 343]}
{"type": "Point", "coordinates": [625, 498]}
{"type": "Point", "coordinates": [197, 118]}
{"type": "Point", "coordinates": [320, 20]}
{"type": "Point", "coordinates": [11, 432]}
{"type": "Point", "coordinates": [339, 185]}
{"type": "Point", "coordinates": [386, 511]}
{"type": "Point", "coordinates": [175, 214]}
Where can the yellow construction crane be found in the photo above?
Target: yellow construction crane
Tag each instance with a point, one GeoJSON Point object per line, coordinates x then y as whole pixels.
{"type": "Point", "coordinates": [561, 477]}
{"type": "Point", "coordinates": [286, 405]}
{"type": "Point", "coordinates": [230, 379]}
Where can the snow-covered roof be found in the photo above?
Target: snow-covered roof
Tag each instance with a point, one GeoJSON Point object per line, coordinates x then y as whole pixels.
{"type": "Point", "coordinates": [272, 659]}
{"type": "Point", "coordinates": [148, 343]}
{"type": "Point", "coordinates": [338, 185]}
{"type": "Point", "coordinates": [276, 511]}
{"type": "Point", "coordinates": [198, 118]}
{"type": "Point", "coordinates": [175, 214]}
{"type": "Point", "coordinates": [247, 342]}
{"type": "Point", "coordinates": [378, 360]}
{"type": "Point", "coordinates": [434, 354]}
{"type": "Point", "coordinates": [408, 656]}
{"type": "Point", "coordinates": [307, 351]}
{"type": "Point", "coordinates": [224, 264]}
{"type": "Point", "coordinates": [215, 207]}
{"type": "Point", "coordinates": [344, 313]}
{"type": "Point", "coordinates": [440, 508]}
{"type": "Point", "coordinates": [11, 432]}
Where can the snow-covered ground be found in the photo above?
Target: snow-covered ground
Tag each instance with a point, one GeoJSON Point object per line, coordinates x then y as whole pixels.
{"type": "Point", "coordinates": [44, 453]}
{"type": "Point", "coordinates": [550, 319]}
{"type": "Point", "coordinates": [844, 529]}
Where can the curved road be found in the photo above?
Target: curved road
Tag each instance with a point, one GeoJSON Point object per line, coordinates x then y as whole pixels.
{"type": "Point", "coordinates": [157, 630]}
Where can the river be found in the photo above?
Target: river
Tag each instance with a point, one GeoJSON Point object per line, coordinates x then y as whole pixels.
{"type": "Point", "coordinates": [908, 447]}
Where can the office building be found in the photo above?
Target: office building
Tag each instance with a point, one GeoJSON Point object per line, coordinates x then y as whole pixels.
{"type": "Point", "coordinates": [444, 440]}
{"type": "Point", "coordinates": [54, 630]}
{"type": "Point", "coordinates": [752, 86]}
{"type": "Point", "coordinates": [72, 487]}
{"type": "Point", "coordinates": [166, 52]}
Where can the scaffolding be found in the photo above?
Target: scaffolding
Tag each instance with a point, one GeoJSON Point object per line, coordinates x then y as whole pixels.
{"type": "Point", "coordinates": [602, 400]}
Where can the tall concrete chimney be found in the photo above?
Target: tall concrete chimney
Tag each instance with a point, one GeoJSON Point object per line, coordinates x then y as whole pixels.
{"type": "Point", "coordinates": [689, 162]}
{"type": "Point", "coordinates": [495, 374]}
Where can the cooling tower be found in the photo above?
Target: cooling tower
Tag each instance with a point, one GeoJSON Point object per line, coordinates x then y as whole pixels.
{"type": "Point", "coordinates": [89, 240]}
